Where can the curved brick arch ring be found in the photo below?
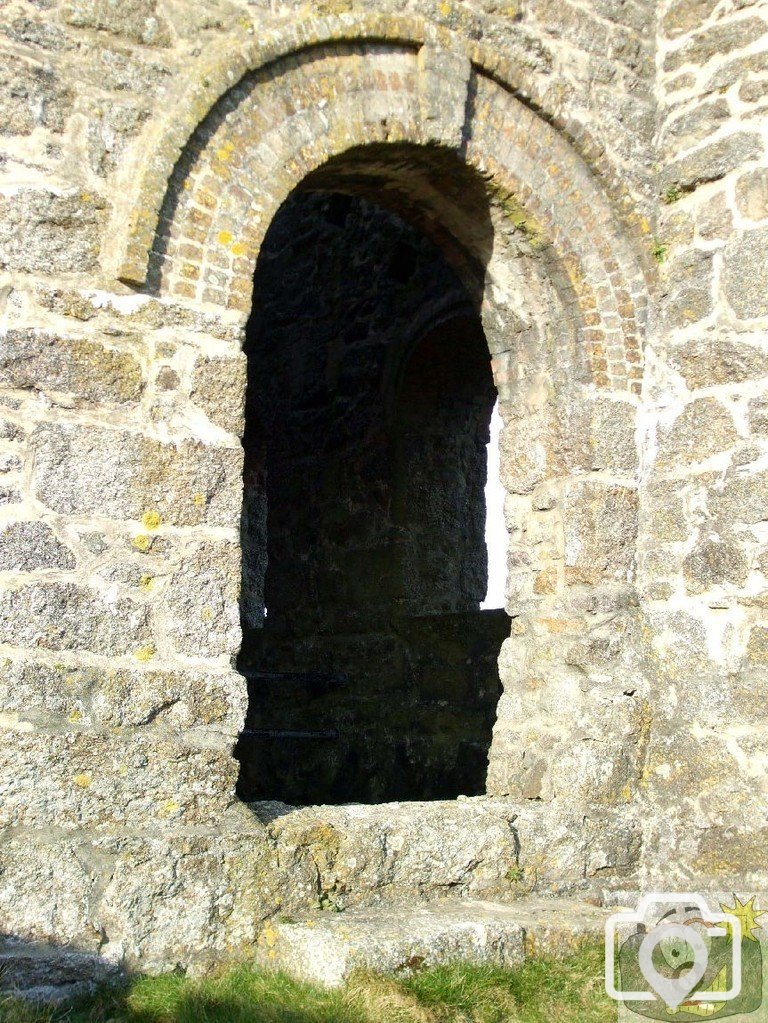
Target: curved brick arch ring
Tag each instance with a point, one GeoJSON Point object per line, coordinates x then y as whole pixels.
{"type": "Point", "coordinates": [382, 83]}
{"type": "Point", "coordinates": [144, 178]}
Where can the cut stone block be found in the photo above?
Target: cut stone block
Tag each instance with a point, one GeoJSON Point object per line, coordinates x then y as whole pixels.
{"type": "Point", "coordinates": [326, 948]}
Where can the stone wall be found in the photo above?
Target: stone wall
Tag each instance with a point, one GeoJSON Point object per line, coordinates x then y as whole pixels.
{"type": "Point", "coordinates": [702, 568]}
{"type": "Point", "coordinates": [594, 175]}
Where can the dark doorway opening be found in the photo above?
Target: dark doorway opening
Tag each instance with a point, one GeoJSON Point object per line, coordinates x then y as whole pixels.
{"type": "Point", "coordinates": [371, 669]}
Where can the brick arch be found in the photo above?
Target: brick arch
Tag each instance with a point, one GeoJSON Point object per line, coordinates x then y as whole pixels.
{"type": "Point", "coordinates": [283, 121]}
{"type": "Point", "coordinates": [143, 180]}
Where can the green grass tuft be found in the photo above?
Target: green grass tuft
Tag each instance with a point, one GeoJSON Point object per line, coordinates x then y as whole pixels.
{"type": "Point", "coordinates": [568, 990]}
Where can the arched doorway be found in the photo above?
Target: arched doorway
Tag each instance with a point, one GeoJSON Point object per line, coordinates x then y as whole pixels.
{"type": "Point", "coordinates": [372, 672]}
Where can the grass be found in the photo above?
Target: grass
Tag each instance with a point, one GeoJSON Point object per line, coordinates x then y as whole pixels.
{"type": "Point", "coordinates": [569, 990]}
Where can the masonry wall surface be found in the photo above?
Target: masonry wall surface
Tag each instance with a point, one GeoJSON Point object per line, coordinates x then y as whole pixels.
{"type": "Point", "coordinates": [596, 175]}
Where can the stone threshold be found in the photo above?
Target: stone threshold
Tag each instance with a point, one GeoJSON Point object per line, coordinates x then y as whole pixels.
{"type": "Point", "coordinates": [326, 947]}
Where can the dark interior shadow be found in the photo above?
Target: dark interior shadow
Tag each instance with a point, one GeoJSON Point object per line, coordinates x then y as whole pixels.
{"type": "Point", "coordinates": [371, 670]}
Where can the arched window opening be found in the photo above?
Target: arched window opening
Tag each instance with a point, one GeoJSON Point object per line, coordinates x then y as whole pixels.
{"type": "Point", "coordinates": [373, 676]}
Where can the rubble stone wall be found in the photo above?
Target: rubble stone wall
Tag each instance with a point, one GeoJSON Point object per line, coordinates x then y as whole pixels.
{"type": "Point", "coordinates": [702, 563]}
{"type": "Point", "coordinates": [594, 172]}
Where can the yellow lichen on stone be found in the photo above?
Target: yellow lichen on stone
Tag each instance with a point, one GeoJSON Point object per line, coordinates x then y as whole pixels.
{"type": "Point", "coordinates": [145, 653]}
{"type": "Point", "coordinates": [151, 519]}
{"type": "Point", "coordinates": [74, 717]}
{"type": "Point", "coordinates": [146, 582]}
{"type": "Point", "coordinates": [523, 220]}
{"type": "Point", "coordinates": [142, 542]}
{"type": "Point", "coordinates": [269, 938]}
{"type": "Point", "coordinates": [170, 806]}
{"type": "Point", "coordinates": [198, 500]}
{"type": "Point", "coordinates": [224, 237]}
{"type": "Point", "coordinates": [239, 249]}
{"type": "Point", "coordinates": [83, 781]}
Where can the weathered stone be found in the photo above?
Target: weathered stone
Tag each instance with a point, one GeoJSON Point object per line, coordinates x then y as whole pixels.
{"type": "Point", "coordinates": [752, 194]}
{"type": "Point", "coordinates": [95, 542]}
{"type": "Point", "coordinates": [680, 655]}
{"type": "Point", "coordinates": [754, 92]}
{"type": "Point", "coordinates": [137, 20]}
{"type": "Point", "coordinates": [189, 894]}
{"type": "Point", "coordinates": [66, 302]}
{"type": "Point", "coordinates": [704, 428]}
{"type": "Point", "coordinates": [40, 230]}
{"type": "Point", "coordinates": [117, 69]}
{"type": "Point", "coordinates": [201, 611]}
{"type": "Point", "coordinates": [115, 697]}
{"type": "Point", "coordinates": [326, 948]}
{"type": "Point", "coordinates": [688, 305]}
{"type": "Point", "coordinates": [523, 455]}
{"type": "Point", "coordinates": [45, 893]}
{"type": "Point", "coordinates": [65, 616]}
{"type": "Point", "coordinates": [758, 415]}
{"type": "Point", "coordinates": [10, 495]}
{"type": "Point", "coordinates": [218, 387]}
{"type": "Point", "coordinates": [686, 15]}
{"type": "Point", "coordinates": [612, 441]}
{"type": "Point", "coordinates": [31, 95]}
{"type": "Point", "coordinates": [25, 546]}
{"type": "Point", "coordinates": [31, 359]}
{"type": "Point", "coordinates": [714, 219]}
{"type": "Point", "coordinates": [689, 280]}
{"type": "Point", "coordinates": [712, 162]}
{"type": "Point", "coordinates": [677, 227]}
{"type": "Point", "coordinates": [110, 130]}
{"type": "Point", "coordinates": [128, 573]}
{"type": "Point", "coordinates": [125, 475]}
{"type": "Point", "coordinates": [600, 525]}
{"type": "Point", "coordinates": [695, 125]}
{"type": "Point", "coordinates": [664, 511]}
{"type": "Point", "coordinates": [167, 379]}
{"type": "Point", "coordinates": [465, 845]}
{"type": "Point", "coordinates": [718, 360]}
{"type": "Point", "coordinates": [746, 274]}
{"type": "Point", "coordinates": [687, 80]}
{"type": "Point", "coordinates": [741, 497]}
{"type": "Point", "coordinates": [715, 561]}
{"type": "Point", "coordinates": [82, 779]}
{"type": "Point", "coordinates": [734, 72]}
{"type": "Point", "coordinates": [36, 32]}
{"type": "Point", "coordinates": [725, 37]}
{"type": "Point", "coordinates": [10, 431]}
{"type": "Point", "coordinates": [9, 462]}
{"type": "Point", "coordinates": [757, 648]}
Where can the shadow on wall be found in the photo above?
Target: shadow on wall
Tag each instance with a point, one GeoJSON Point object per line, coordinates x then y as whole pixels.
{"type": "Point", "coordinates": [43, 972]}
{"type": "Point", "coordinates": [371, 669]}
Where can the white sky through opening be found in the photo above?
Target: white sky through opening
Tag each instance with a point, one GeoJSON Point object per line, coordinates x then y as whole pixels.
{"type": "Point", "coordinates": [495, 530]}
